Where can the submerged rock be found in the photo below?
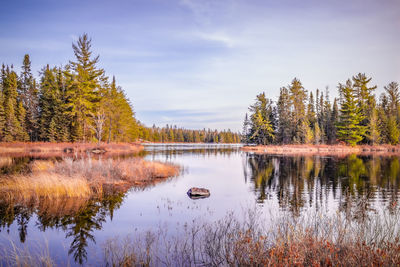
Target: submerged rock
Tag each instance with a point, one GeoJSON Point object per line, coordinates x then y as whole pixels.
{"type": "Point", "coordinates": [196, 193]}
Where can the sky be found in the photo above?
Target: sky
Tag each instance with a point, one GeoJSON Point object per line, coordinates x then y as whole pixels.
{"type": "Point", "coordinates": [200, 63]}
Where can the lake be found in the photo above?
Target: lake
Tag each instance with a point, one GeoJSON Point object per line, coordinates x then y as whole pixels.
{"type": "Point", "coordinates": [74, 232]}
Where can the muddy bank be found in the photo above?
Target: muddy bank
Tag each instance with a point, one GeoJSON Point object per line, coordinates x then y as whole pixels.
{"type": "Point", "coordinates": [323, 149]}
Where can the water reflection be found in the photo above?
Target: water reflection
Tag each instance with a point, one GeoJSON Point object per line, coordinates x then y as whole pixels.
{"type": "Point", "coordinates": [173, 151]}
{"type": "Point", "coordinates": [309, 181]}
{"type": "Point", "coordinates": [77, 218]}
{"type": "Point", "coordinates": [354, 184]}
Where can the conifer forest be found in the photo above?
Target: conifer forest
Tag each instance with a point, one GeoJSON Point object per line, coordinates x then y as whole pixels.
{"type": "Point", "coordinates": [300, 116]}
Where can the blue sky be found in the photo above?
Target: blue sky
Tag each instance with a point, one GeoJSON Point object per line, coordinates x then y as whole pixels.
{"type": "Point", "coordinates": [200, 63]}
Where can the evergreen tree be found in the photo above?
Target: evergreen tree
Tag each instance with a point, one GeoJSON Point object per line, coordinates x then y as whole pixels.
{"type": "Point", "coordinates": [373, 133]}
{"type": "Point", "coordinates": [333, 122]}
{"type": "Point", "coordinates": [393, 99]}
{"type": "Point", "coordinates": [298, 96]}
{"type": "Point", "coordinates": [393, 131]}
{"type": "Point", "coordinates": [284, 126]}
{"type": "Point", "coordinates": [317, 134]}
{"type": "Point", "coordinates": [22, 134]}
{"type": "Point", "coordinates": [261, 129]}
{"type": "Point", "coordinates": [83, 94]}
{"type": "Point", "coordinates": [28, 93]}
{"type": "Point", "coordinates": [306, 133]}
{"type": "Point", "coordinates": [365, 98]}
{"type": "Point", "coordinates": [311, 110]}
{"type": "Point", "coordinates": [245, 132]}
{"type": "Point", "coordinates": [349, 127]}
{"type": "Point", "coordinates": [364, 95]}
{"type": "Point", "coordinates": [12, 126]}
{"type": "Point", "coordinates": [48, 103]}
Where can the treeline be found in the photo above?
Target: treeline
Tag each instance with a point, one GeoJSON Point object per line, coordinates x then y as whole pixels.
{"type": "Point", "coordinates": [302, 117]}
{"type": "Point", "coordinates": [175, 134]}
{"type": "Point", "coordinates": [77, 102]}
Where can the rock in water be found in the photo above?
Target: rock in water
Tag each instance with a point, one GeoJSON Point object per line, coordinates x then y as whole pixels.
{"type": "Point", "coordinates": [195, 193]}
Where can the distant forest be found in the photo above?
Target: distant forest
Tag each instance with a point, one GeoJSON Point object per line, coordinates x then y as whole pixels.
{"type": "Point", "coordinates": [299, 117]}
{"type": "Point", "coordinates": [78, 103]}
{"type": "Point", "coordinates": [175, 134]}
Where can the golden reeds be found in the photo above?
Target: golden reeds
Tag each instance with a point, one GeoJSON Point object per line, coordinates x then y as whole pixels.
{"type": "Point", "coordinates": [83, 178]}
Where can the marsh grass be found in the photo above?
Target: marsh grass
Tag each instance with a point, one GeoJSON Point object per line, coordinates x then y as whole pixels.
{"type": "Point", "coordinates": [310, 240]}
{"type": "Point", "coordinates": [5, 161]}
{"type": "Point", "coordinates": [82, 178]}
{"type": "Point", "coordinates": [24, 257]}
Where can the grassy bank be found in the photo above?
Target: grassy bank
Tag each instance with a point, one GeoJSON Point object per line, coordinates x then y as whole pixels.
{"type": "Point", "coordinates": [82, 178]}
{"type": "Point", "coordinates": [323, 149]}
{"type": "Point", "coordinates": [53, 149]}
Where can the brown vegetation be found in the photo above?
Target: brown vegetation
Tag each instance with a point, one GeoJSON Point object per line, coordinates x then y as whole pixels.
{"type": "Point", "coordinates": [83, 178]}
{"type": "Point", "coordinates": [323, 149]}
{"type": "Point", "coordinates": [40, 148]}
{"type": "Point", "coordinates": [315, 240]}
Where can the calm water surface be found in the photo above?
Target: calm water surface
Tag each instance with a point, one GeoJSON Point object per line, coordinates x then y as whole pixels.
{"type": "Point", "coordinates": [74, 232]}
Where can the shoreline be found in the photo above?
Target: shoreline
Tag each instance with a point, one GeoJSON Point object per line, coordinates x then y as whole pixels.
{"type": "Point", "coordinates": [85, 178]}
{"type": "Point", "coordinates": [323, 149]}
{"type": "Point", "coordinates": [54, 149]}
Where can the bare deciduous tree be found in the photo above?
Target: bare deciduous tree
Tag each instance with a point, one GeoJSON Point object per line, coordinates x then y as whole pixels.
{"type": "Point", "coordinates": [99, 120]}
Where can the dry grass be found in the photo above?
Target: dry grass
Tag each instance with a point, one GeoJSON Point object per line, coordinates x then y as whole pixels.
{"type": "Point", "coordinates": [24, 257]}
{"type": "Point", "coordinates": [338, 150]}
{"type": "Point", "coordinates": [5, 161]}
{"type": "Point", "coordinates": [83, 178]}
{"type": "Point", "coordinates": [40, 148]}
{"type": "Point", "coordinates": [312, 240]}
{"type": "Point", "coordinates": [44, 185]}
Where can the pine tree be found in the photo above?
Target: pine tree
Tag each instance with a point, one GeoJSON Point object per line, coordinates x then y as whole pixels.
{"type": "Point", "coordinates": [245, 131]}
{"type": "Point", "coordinates": [83, 94]}
{"type": "Point", "coordinates": [48, 103]}
{"type": "Point", "coordinates": [349, 127]}
{"type": "Point", "coordinates": [393, 130]}
{"type": "Point", "coordinates": [393, 99]}
{"type": "Point", "coordinates": [283, 106]}
{"type": "Point", "coordinates": [22, 134]}
{"type": "Point", "coordinates": [261, 129]}
{"type": "Point", "coordinates": [317, 134]}
{"type": "Point", "coordinates": [373, 133]}
{"type": "Point", "coordinates": [28, 93]}
{"type": "Point", "coordinates": [311, 110]}
{"type": "Point", "coordinates": [364, 94]}
{"type": "Point", "coordinates": [12, 126]}
{"type": "Point", "coordinates": [306, 133]}
{"type": "Point", "coordinates": [52, 131]}
{"type": "Point", "coordinates": [298, 96]}
{"type": "Point", "coordinates": [332, 136]}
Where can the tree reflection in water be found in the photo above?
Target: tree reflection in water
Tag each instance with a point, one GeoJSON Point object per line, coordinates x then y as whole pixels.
{"type": "Point", "coordinates": [308, 181]}
{"type": "Point", "coordinates": [78, 218]}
